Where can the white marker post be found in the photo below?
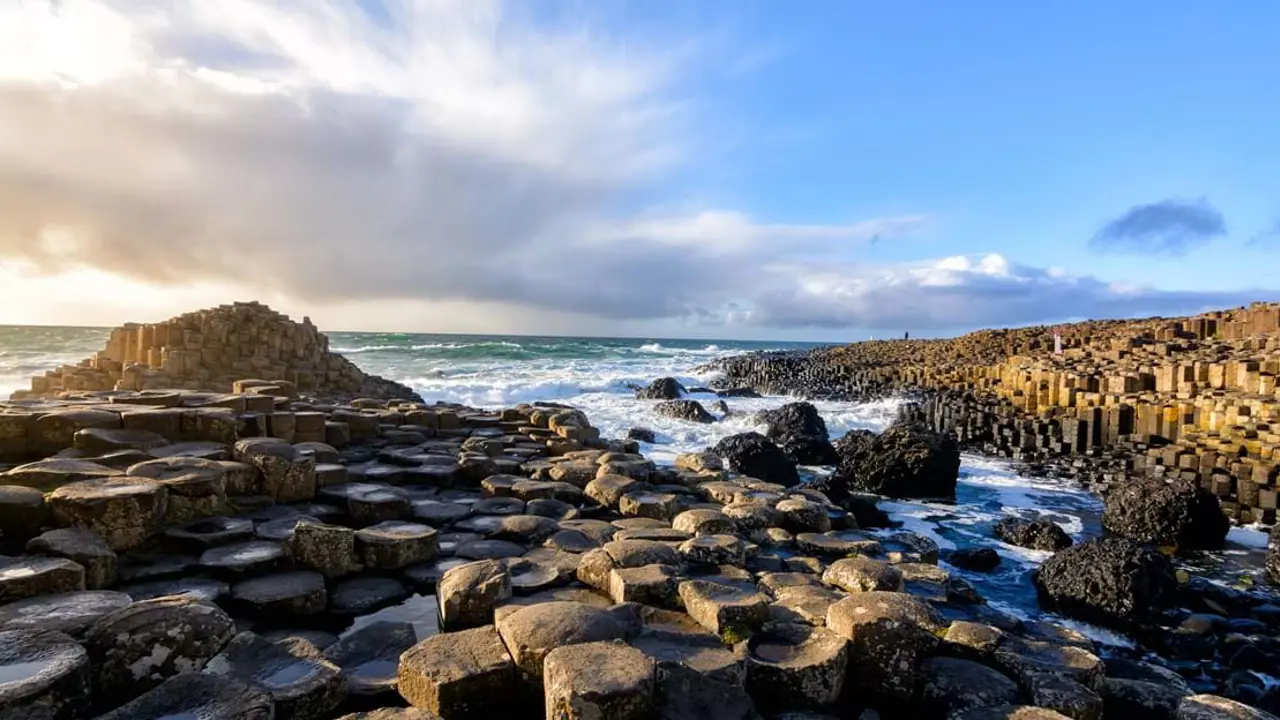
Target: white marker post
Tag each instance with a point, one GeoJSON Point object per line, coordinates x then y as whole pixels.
{"type": "Point", "coordinates": [1057, 343]}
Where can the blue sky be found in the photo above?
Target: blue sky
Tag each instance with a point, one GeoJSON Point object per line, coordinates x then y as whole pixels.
{"type": "Point", "coordinates": [813, 170]}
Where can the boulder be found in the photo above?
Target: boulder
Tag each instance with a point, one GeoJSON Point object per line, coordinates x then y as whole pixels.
{"type": "Point", "coordinates": [140, 646]}
{"type": "Point", "coordinates": [756, 456]}
{"type": "Point", "coordinates": [1043, 535]}
{"type": "Point", "coordinates": [124, 511]}
{"type": "Point", "coordinates": [948, 685]}
{"type": "Point", "coordinates": [891, 634]}
{"type": "Point", "coordinates": [43, 674]}
{"type": "Point", "coordinates": [975, 559]}
{"type": "Point", "coordinates": [904, 461]}
{"type": "Point", "coordinates": [661, 389]}
{"type": "Point", "coordinates": [687, 410]}
{"type": "Point", "coordinates": [801, 433]}
{"type": "Point", "coordinates": [792, 666]}
{"type": "Point", "coordinates": [459, 674]}
{"type": "Point", "coordinates": [302, 683]}
{"type": "Point", "coordinates": [197, 695]}
{"type": "Point", "coordinates": [1177, 514]}
{"type": "Point", "coordinates": [531, 632]}
{"type": "Point", "coordinates": [598, 680]}
{"type": "Point", "coordinates": [469, 593]}
{"type": "Point", "coordinates": [862, 574]}
{"type": "Point", "coordinates": [1140, 690]}
{"type": "Point", "coordinates": [1108, 581]}
{"type": "Point", "coordinates": [640, 434]}
{"type": "Point", "coordinates": [728, 611]}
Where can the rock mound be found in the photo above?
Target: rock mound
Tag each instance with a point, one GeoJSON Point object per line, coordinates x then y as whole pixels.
{"type": "Point", "coordinates": [662, 389]}
{"type": "Point", "coordinates": [1108, 581]}
{"type": "Point", "coordinates": [216, 350]}
{"type": "Point", "coordinates": [1034, 534]}
{"type": "Point", "coordinates": [689, 410]}
{"type": "Point", "coordinates": [904, 461]}
{"type": "Point", "coordinates": [755, 455]}
{"type": "Point", "coordinates": [801, 433]}
{"type": "Point", "coordinates": [1180, 514]}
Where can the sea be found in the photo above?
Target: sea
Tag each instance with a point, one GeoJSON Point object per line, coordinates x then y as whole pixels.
{"type": "Point", "coordinates": [598, 376]}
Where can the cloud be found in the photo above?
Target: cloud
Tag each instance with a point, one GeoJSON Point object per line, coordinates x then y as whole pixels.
{"type": "Point", "coordinates": [1171, 227]}
{"type": "Point", "coordinates": [964, 292]}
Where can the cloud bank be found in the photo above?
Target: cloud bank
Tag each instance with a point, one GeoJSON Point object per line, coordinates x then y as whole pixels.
{"type": "Point", "coordinates": [1168, 227]}
{"type": "Point", "coordinates": [449, 151]}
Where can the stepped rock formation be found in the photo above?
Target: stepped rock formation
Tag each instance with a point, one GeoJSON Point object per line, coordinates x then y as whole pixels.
{"type": "Point", "coordinates": [211, 350]}
{"type": "Point", "coordinates": [1193, 398]}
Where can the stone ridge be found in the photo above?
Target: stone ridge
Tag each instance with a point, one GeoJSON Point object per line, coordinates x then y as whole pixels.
{"type": "Point", "coordinates": [1192, 397]}
{"type": "Point", "coordinates": [211, 350]}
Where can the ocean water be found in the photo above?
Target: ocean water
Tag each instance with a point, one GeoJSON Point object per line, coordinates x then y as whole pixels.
{"type": "Point", "coordinates": [597, 375]}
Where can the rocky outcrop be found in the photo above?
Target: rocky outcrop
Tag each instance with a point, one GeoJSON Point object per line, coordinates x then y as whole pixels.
{"type": "Point", "coordinates": [1043, 535]}
{"type": "Point", "coordinates": [1108, 581]}
{"type": "Point", "coordinates": [687, 410]}
{"type": "Point", "coordinates": [801, 433]}
{"type": "Point", "coordinates": [219, 350]}
{"type": "Point", "coordinates": [662, 389]}
{"type": "Point", "coordinates": [904, 461]}
{"type": "Point", "coordinates": [754, 455]}
{"type": "Point", "coordinates": [1177, 514]}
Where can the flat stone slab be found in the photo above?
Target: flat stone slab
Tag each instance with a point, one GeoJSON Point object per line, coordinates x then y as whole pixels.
{"type": "Point", "coordinates": [43, 674]}
{"type": "Point", "coordinates": [599, 680]}
{"type": "Point", "coordinates": [370, 656]}
{"type": "Point", "coordinates": [197, 695]}
{"type": "Point", "coordinates": [284, 595]}
{"type": "Point", "coordinates": [245, 559]}
{"type": "Point", "coordinates": [459, 674]}
{"type": "Point", "coordinates": [357, 596]}
{"type": "Point", "coordinates": [71, 613]}
{"type": "Point", "coordinates": [301, 681]}
{"type": "Point", "coordinates": [30, 576]}
{"type": "Point", "coordinates": [396, 544]}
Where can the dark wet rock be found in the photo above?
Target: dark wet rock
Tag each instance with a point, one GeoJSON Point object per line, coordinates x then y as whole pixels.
{"type": "Point", "coordinates": [1028, 659]}
{"type": "Point", "coordinates": [685, 694]}
{"type": "Point", "coordinates": [200, 535]}
{"type": "Point", "coordinates": [975, 559]}
{"type": "Point", "coordinates": [792, 666]}
{"type": "Point", "coordinates": [1177, 514]}
{"type": "Point", "coordinates": [1044, 535]}
{"type": "Point", "coordinates": [459, 674]}
{"type": "Point", "coordinates": [84, 547]}
{"type": "Point", "coordinates": [43, 674]}
{"type": "Point", "coordinates": [245, 559]}
{"type": "Point", "coordinates": [904, 461]}
{"type": "Point", "coordinates": [688, 410]}
{"type": "Point", "coordinates": [301, 682]}
{"type": "Point", "coordinates": [145, 566]}
{"type": "Point", "coordinates": [439, 513]}
{"type": "Point", "coordinates": [281, 529]}
{"type": "Point", "coordinates": [599, 680]}
{"type": "Point", "coordinates": [489, 550]}
{"type": "Point", "coordinates": [1108, 581]}
{"type": "Point", "coordinates": [909, 547]}
{"type": "Point", "coordinates": [197, 695]}
{"type": "Point", "coordinates": [756, 456]}
{"type": "Point", "coordinates": [644, 435]}
{"type": "Point", "coordinates": [662, 389]}
{"type": "Point", "coordinates": [801, 433]}
{"type": "Point", "coordinates": [525, 529]}
{"type": "Point", "coordinates": [865, 511]}
{"type": "Point", "coordinates": [1064, 695]}
{"type": "Point", "coordinates": [370, 503]}
{"type": "Point", "coordinates": [469, 593]}
{"type": "Point", "coordinates": [22, 513]}
{"type": "Point", "coordinates": [282, 596]}
{"type": "Point", "coordinates": [394, 544]}
{"type": "Point", "coordinates": [319, 638]}
{"type": "Point", "coordinates": [891, 634]}
{"type": "Point", "coordinates": [370, 656]}
{"type": "Point", "coordinates": [1142, 691]}
{"type": "Point", "coordinates": [948, 685]}
{"type": "Point", "coordinates": [125, 511]}
{"type": "Point", "coordinates": [681, 643]}
{"type": "Point", "coordinates": [31, 576]}
{"type": "Point", "coordinates": [725, 610]}
{"type": "Point", "coordinates": [531, 632]}
{"type": "Point", "coordinates": [329, 549]}
{"type": "Point", "coordinates": [71, 613]}
{"type": "Point", "coordinates": [532, 575]}
{"type": "Point", "coordinates": [1212, 707]}
{"type": "Point", "coordinates": [199, 588]}
{"type": "Point", "coordinates": [863, 574]}
{"type": "Point", "coordinates": [361, 595]}
{"type": "Point", "coordinates": [140, 646]}
{"type": "Point", "coordinates": [551, 509]}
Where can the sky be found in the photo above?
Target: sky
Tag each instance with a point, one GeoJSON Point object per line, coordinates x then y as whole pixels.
{"type": "Point", "coordinates": [817, 170]}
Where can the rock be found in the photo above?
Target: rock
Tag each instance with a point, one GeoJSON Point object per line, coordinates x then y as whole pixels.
{"type": "Point", "coordinates": [283, 596]}
{"type": "Point", "coordinates": [198, 588]}
{"type": "Point", "coordinates": [31, 576]}
{"type": "Point", "coordinates": [43, 674]}
{"type": "Point", "coordinates": [286, 476]}
{"type": "Point", "coordinates": [1007, 712]}
{"type": "Point", "coordinates": [1212, 707]}
{"type": "Point", "coordinates": [1177, 514]}
{"type": "Point", "coordinates": [363, 595]}
{"type": "Point", "coordinates": [531, 632]}
{"type": "Point", "coordinates": [197, 487]}
{"type": "Point", "coordinates": [891, 634]}
{"type": "Point", "coordinates": [800, 515]}
{"type": "Point", "coordinates": [392, 713]}
{"type": "Point", "coordinates": [84, 547]}
{"type": "Point", "coordinates": [644, 435]}
{"type": "Point", "coordinates": [727, 611]}
{"type": "Point", "coordinates": [655, 585]}
{"type": "Point", "coordinates": [862, 574]}
{"type": "Point", "coordinates": [1064, 695]}
{"type": "Point", "coordinates": [975, 559]}
{"type": "Point", "coordinates": [301, 682]}
{"type": "Point", "coordinates": [801, 433]}
{"type": "Point", "coordinates": [1028, 659]}
{"type": "Point", "coordinates": [458, 674]}
{"type": "Point", "coordinates": [703, 521]}
{"type": "Point", "coordinates": [1044, 535]}
{"type": "Point", "coordinates": [599, 680]}
{"type": "Point", "coordinates": [973, 640]}
{"type": "Point", "coordinates": [714, 550]}
{"type": "Point", "coordinates": [754, 455]}
{"type": "Point", "coordinates": [125, 511]}
{"type": "Point", "coordinates": [661, 389]}
{"type": "Point", "coordinates": [196, 695]}
{"type": "Point", "coordinates": [22, 513]}
{"type": "Point", "coordinates": [245, 559]}
{"type": "Point", "coordinates": [55, 472]}
{"type": "Point", "coordinates": [394, 544]}
{"type": "Point", "coordinates": [330, 549]}
{"type": "Point", "coordinates": [681, 643]}
{"type": "Point", "coordinates": [685, 694]}
{"type": "Point", "coordinates": [370, 504]}
{"type": "Point", "coordinates": [71, 613]}
{"type": "Point", "coordinates": [904, 461]}
{"type": "Point", "coordinates": [489, 549]}
{"type": "Point", "coordinates": [525, 529]}
{"type": "Point", "coordinates": [688, 410]}
{"type": "Point", "coordinates": [1108, 581]}
{"type": "Point", "coordinates": [792, 666]}
{"type": "Point", "coordinates": [205, 533]}
{"type": "Point", "coordinates": [949, 685]}
{"type": "Point", "coordinates": [101, 440]}
{"type": "Point", "coordinates": [1142, 691]}
{"type": "Point", "coordinates": [140, 646]}
{"type": "Point", "coordinates": [370, 656]}
{"type": "Point", "coordinates": [469, 593]}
